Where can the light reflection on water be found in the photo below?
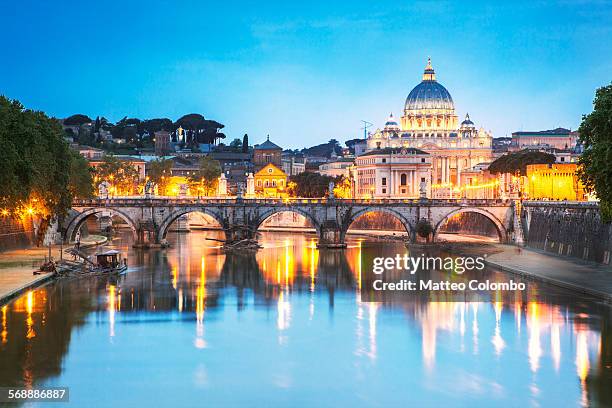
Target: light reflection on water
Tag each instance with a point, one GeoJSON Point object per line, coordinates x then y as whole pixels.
{"type": "Point", "coordinates": [191, 325]}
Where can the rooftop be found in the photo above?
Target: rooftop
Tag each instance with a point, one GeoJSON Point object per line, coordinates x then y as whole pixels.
{"type": "Point", "coordinates": [267, 145]}
{"type": "Point", "coordinates": [550, 132]}
{"type": "Point", "coordinates": [395, 150]}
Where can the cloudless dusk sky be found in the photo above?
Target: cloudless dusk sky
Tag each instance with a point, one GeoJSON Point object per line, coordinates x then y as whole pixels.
{"type": "Point", "coordinates": [306, 72]}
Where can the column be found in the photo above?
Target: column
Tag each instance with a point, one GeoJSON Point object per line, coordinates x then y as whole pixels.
{"type": "Point", "coordinates": [458, 171]}
{"type": "Point", "coordinates": [443, 166]}
{"type": "Point", "coordinates": [447, 169]}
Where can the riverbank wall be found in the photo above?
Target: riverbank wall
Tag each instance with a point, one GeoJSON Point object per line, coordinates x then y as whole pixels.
{"type": "Point", "coordinates": [16, 233]}
{"type": "Point", "coordinates": [572, 229]}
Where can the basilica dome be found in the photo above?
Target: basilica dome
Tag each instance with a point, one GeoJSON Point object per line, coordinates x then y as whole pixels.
{"type": "Point", "coordinates": [429, 94]}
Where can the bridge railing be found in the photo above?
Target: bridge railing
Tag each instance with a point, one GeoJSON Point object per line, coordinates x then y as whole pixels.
{"type": "Point", "coordinates": [564, 204]}
{"type": "Point", "coordinates": [171, 201]}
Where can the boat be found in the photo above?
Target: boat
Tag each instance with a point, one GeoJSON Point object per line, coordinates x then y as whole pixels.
{"type": "Point", "coordinates": [109, 262]}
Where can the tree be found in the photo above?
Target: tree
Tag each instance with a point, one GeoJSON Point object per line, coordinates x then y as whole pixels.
{"type": "Point", "coordinates": [205, 179]}
{"type": "Point", "coordinates": [35, 164]}
{"type": "Point", "coordinates": [80, 181]}
{"type": "Point", "coordinates": [160, 173]}
{"type": "Point", "coordinates": [236, 144]}
{"type": "Point", "coordinates": [323, 150]}
{"type": "Point", "coordinates": [200, 129]}
{"type": "Point", "coordinates": [154, 125]}
{"type": "Point", "coordinates": [595, 169]}
{"type": "Point", "coordinates": [77, 120]}
{"type": "Point", "coordinates": [245, 143]}
{"type": "Point", "coordinates": [343, 187]}
{"type": "Point", "coordinates": [351, 144]}
{"type": "Point", "coordinates": [122, 176]}
{"type": "Point", "coordinates": [518, 161]}
{"type": "Point", "coordinates": [309, 184]}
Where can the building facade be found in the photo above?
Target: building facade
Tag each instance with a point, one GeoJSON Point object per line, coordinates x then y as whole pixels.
{"type": "Point", "coordinates": [429, 123]}
{"type": "Point", "coordinates": [554, 182]}
{"type": "Point", "coordinates": [558, 138]}
{"type": "Point", "coordinates": [162, 143]}
{"type": "Point", "coordinates": [392, 173]}
{"type": "Point", "coordinates": [271, 181]}
{"type": "Point", "coordinates": [267, 152]}
{"type": "Point", "coordinates": [336, 168]}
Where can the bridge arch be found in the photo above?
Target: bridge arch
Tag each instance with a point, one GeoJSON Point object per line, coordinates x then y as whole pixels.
{"type": "Point", "coordinates": [405, 222]}
{"type": "Point", "coordinates": [268, 212]}
{"type": "Point", "coordinates": [75, 223]}
{"type": "Point", "coordinates": [173, 216]}
{"type": "Point", "coordinates": [502, 232]}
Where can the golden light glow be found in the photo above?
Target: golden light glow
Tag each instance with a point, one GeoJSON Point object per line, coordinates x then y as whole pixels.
{"type": "Point", "coordinates": [4, 333]}
{"type": "Point", "coordinates": [201, 306]}
{"type": "Point", "coordinates": [534, 348]}
{"type": "Point", "coordinates": [111, 309]}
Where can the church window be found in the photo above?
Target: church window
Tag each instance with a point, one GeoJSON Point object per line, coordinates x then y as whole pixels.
{"type": "Point", "coordinates": [384, 181]}
{"type": "Point", "coordinates": [403, 179]}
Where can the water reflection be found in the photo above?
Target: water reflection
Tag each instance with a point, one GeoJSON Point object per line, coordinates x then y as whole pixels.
{"type": "Point", "coordinates": [257, 319]}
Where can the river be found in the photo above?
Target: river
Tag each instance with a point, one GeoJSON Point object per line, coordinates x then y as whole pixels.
{"type": "Point", "coordinates": [192, 326]}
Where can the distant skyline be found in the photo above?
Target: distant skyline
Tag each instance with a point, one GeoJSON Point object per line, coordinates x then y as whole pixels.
{"type": "Point", "coordinates": [307, 73]}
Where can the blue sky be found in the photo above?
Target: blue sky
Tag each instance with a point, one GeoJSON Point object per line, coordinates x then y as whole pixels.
{"type": "Point", "coordinates": [306, 72]}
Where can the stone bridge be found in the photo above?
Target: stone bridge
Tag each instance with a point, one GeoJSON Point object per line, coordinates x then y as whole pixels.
{"type": "Point", "coordinates": [151, 218]}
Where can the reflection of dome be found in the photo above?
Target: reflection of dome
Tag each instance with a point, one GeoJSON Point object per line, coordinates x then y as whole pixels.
{"type": "Point", "coordinates": [391, 123]}
{"type": "Point", "coordinates": [429, 94]}
{"type": "Point", "coordinates": [467, 123]}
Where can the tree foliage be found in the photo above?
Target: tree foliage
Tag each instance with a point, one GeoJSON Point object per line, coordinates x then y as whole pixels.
{"type": "Point", "coordinates": [324, 150]}
{"type": "Point", "coordinates": [205, 179]}
{"type": "Point", "coordinates": [160, 172]}
{"type": "Point", "coordinates": [80, 180]}
{"type": "Point", "coordinates": [595, 170]}
{"type": "Point", "coordinates": [77, 120]}
{"type": "Point", "coordinates": [245, 143]}
{"type": "Point", "coordinates": [35, 163]}
{"type": "Point", "coordinates": [201, 129]}
{"type": "Point", "coordinates": [310, 185]}
{"type": "Point", "coordinates": [518, 161]}
{"type": "Point", "coordinates": [343, 188]}
{"type": "Point", "coordinates": [122, 176]}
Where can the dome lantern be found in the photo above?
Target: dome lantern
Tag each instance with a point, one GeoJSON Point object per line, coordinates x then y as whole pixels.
{"type": "Point", "coordinates": [429, 74]}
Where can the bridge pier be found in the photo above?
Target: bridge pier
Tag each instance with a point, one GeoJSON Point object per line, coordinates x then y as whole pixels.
{"type": "Point", "coordinates": [146, 236]}
{"type": "Point", "coordinates": [331, 236]}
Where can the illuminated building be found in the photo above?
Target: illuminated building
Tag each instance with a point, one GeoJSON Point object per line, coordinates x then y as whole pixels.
{"type": "Point", "coordinates": [137, 163]}
{"type": "Point", "coordinates": [335, 168]}
{"type": "Point", "coordinates": [391, 173]}
{"type": "Point", "coordinates": [477, 182]}
{"type": "Point", "coordinates": [430, 123]}
{"type": "Point", "coordinates": [554, 182]}
{"type": "Point", "coordinates": [558, 138]}
{"type": "Point", "coordinates": [271, 181]}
